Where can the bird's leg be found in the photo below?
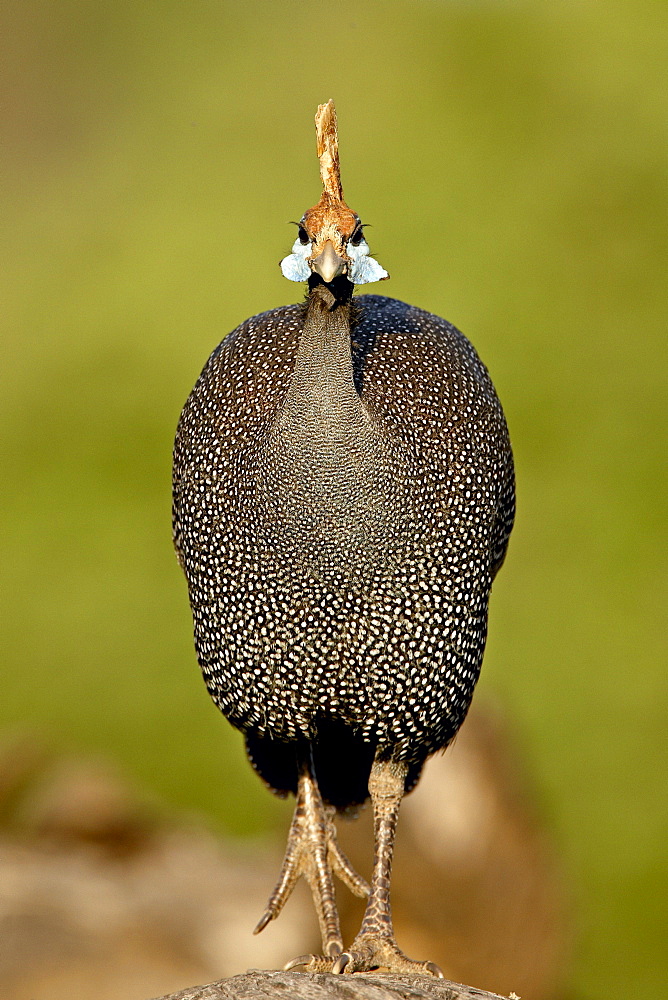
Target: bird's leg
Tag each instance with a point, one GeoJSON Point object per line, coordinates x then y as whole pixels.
{"type": "Point", "coordinates": [375, 946]}
{"type": "Point", "coordinates": [313, 852]}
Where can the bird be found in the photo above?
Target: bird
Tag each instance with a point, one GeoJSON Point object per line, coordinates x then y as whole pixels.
{"type": "Point", "coordinates": [343, 496]}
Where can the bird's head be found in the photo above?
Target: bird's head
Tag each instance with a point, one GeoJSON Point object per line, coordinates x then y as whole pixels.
{"type": "Point", "coordinates": [330, 239]}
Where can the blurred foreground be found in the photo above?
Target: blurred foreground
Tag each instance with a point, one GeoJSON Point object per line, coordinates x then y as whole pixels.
{"type": "Point", "coordinates": [100, 899]}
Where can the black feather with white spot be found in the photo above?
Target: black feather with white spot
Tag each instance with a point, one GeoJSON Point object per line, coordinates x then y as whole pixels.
{"type": "Point", "coordinates": [343, 497]}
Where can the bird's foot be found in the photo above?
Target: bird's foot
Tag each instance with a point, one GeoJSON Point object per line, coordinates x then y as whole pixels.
{"type": "Point", "coordinates": [368, 953]}
{"type": "Point", "coordinates": [313, 852]}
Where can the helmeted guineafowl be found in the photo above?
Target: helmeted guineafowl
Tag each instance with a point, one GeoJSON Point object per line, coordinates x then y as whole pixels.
{"type": "Point", "coordinates": [343, 497]}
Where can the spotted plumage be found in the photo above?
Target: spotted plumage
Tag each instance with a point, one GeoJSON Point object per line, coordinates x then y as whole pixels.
{"type": "Point", "coordinates": [343, 497]}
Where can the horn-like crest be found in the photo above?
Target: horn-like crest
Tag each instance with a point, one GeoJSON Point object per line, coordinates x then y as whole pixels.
{"type": "Point", "coordinates": [331, 209]}
{"type": "Point", "coordinates": [327, 144]}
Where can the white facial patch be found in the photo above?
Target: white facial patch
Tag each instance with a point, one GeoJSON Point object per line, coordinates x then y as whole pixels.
{"type": "Point", "coordinates": [361, 271]}
{"type": "Point", "coordinates": [294, 266]}
{"type": "Point", "coordinates": [363, 268]}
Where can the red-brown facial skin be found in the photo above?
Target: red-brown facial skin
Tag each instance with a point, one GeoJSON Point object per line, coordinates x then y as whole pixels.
{"type": "Point", "coordinates": [330, 219]}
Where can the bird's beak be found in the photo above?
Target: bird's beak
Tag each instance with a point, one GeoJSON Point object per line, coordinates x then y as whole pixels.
{"type": "Point", "coordinates": [328, 264]}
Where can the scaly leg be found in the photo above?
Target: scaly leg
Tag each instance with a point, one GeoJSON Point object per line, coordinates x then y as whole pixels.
{"type": "Point", "coordinates": [313, 852]}
{"type": "Point", "coordinates": [375, 946]}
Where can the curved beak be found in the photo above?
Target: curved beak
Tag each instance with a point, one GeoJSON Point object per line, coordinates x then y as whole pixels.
{"type": "Point", "coordinates": [328, 264]}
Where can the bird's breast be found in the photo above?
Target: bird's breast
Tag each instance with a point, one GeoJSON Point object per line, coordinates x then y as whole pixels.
{"type": "Point", "coordinates": [329, 485]}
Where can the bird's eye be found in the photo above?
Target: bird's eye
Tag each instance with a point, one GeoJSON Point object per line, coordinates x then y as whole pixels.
{"type": "Point", "coordinates": [303, 236]}
{"type": "Point", "coordinates": [357, 237]}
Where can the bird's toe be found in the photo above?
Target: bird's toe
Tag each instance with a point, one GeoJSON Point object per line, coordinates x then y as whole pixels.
{"type": "Point", "coordinates": [312, 963]}
{"type": "Point", "coordinates": [370, 952]}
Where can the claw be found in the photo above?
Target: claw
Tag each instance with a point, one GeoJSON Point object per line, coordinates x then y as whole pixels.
{"type": "Point", "coordinates": [266, 918]}
{"type": "Point", "coordinates": [342, 961]}
{"type": "Point", "coordinates": [434, 969]}
{"type": "Point", "coordinates": [300, 960]}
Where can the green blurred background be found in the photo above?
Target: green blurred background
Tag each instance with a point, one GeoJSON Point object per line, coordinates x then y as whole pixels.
{"type": "Point", "coordinates": [512, 160]}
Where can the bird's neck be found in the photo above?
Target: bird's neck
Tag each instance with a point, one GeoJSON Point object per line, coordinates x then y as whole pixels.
{"type": "Point", "coordinates": [322, 390]}
{"type": "Point", "coordinates": [324, 480]}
